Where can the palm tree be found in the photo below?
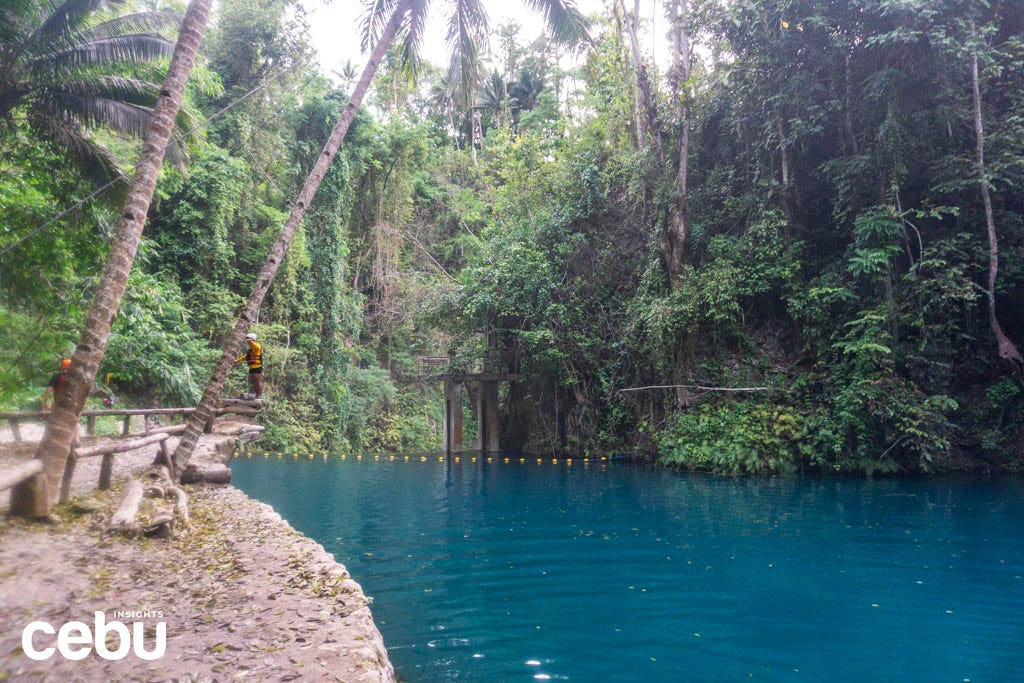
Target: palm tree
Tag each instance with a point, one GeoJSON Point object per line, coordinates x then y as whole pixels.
{"type": "Point", "coordinates": [493, 97]}
{"type": "Point", "coordinates": [524, 94]}
{"type": "Point", "coordinates": [69, 68]}
{"type": "Point", "coordinates": [466, 25]}
{"type": "Point", "coordinates": [60, 429]}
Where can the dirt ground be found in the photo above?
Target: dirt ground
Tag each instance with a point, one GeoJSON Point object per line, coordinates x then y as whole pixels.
{"type": "Point", "coordinates": [242, 594]}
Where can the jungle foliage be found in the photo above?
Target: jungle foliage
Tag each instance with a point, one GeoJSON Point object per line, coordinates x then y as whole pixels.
{"type": "Point", "coordinates": [820, 300]}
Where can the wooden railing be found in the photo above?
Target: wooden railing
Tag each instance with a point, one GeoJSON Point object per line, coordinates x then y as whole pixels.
{"type": "Point", "coordinates": [14, 475]}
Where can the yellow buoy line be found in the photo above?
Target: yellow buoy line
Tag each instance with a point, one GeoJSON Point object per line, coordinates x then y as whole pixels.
{"type": "Point", "coordinates": [456, 459]}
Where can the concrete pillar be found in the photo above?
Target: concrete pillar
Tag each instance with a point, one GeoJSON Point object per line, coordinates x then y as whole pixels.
{"type": "Point", "coordinates": [452, 417]}
{"type": "Point", "coordinates": [487, 417]}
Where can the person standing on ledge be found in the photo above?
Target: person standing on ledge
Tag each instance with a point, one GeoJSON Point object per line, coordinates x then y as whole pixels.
{"type": "Point", "coordinates": [254, 358]}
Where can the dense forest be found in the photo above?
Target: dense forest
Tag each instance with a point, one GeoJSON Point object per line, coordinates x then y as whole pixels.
{"type": "Point", "coordinates": [794, 243]}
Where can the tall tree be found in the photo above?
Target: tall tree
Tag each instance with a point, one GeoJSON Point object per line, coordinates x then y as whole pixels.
{"type": "Point", "coordinates": [1007, 349]}
{"type": "Point", "coordinates": [383, 21]}
{"type": "Point", "coordinates": [675, 235]}
{"type": "Point", "coordinates": [60, 429]}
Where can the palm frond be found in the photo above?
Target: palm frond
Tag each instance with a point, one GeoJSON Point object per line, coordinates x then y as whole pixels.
{"type": "Point", "coordinates": [67, 18]}
{"type": "Point", "coordinates": [123, 117]}
{"type": "Point", "coordinates": [95, 160]}
{"type": "Point", "coordinates": [566, 23]}
{"type": "Point", "coordinates": [412, 43]}
{"type": "Point", "coordinates": [375, 17]}
{"type": "Point", "coordinates": [467, 26]}
{"type": "Point", "coordinates": [131, 90]}
{"type": "Point", "coordinates": [137, 22]}
{"type": "Point", "coordinates": [135, 49]}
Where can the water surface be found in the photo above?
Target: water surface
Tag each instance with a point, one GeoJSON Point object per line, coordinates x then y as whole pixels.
{"type": "Point", "coordinates": [615, 572]}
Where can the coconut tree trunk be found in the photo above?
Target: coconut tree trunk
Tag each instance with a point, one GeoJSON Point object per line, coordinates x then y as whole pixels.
{"type": "Point", "coordinates": [1007, 349]}
{"type": "Point", "coordinates": [60, 429]}
{"type": "Point", "coordinates": [207, 404]}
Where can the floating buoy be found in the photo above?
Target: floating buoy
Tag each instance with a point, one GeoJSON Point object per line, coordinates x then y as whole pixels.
{"type": "Point", "coordinates": [522, 460]}
{"type": "Point", "coordinates": [554, 461]}
{"type": "Point", "coordinates": [456, 458]}
{"type": "Point", "coordinates": [423, 458]}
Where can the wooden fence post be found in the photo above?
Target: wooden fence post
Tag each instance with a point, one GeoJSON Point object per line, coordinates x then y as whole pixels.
{"type": "Point", "coordinates": [90, 425]}
{"type": "Point", "coordinates": [16, 429]}
{"type": "Point", "coordinates": [106, 471]}
{"type": "Point", "coordinates": [69, 472]}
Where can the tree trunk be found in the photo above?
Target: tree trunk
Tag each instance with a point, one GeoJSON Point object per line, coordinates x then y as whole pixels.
{"type": "Point", "coordinates": [61, 427]}
{"type": "Point", "coordinates": [207, 405]}
{"type": "Point", "coordinates": [647, 114]}
{"type": "Point", "coordinates": [638, 117]}
{"type": "Point", "coordinates": [674, 243]}
{"type": "Point", "coordinates": [1007, 349]}
{"type": "Point", "coordinates": [848, 108]}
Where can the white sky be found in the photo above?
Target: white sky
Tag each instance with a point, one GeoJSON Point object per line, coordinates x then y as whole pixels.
{"type": "Point", "coordinates": [334, 27]}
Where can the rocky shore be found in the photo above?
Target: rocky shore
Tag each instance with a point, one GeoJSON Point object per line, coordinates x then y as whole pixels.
{"type": "Point", "coordinates": [242, 595]}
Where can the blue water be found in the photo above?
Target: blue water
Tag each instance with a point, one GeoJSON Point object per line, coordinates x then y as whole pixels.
{"type": "Point", "coordinates": [520, 572]}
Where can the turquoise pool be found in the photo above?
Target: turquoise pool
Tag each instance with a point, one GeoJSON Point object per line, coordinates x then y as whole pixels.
{"type": "Point", "coordinates": [518, 571]}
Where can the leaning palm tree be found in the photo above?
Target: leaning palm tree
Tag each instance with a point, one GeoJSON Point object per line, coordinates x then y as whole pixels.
{"type": "Point", "coordinates": [71, 67]}
{"type": "Point", "coordinates": [60, 429]}
{"type": "Point", "coordinates": [384, 20]}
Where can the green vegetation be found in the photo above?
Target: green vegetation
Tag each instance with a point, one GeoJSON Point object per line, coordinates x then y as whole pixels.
{"type": "Point", "coordinates": [828, 248]}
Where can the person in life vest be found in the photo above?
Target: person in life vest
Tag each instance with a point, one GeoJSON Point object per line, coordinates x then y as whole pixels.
{"type": "Point", "coordinates": [254, 358]}
{"type": "Point", "coordinates": [55, 386]}
{"type": "Point", "coordinates": [56, 383]}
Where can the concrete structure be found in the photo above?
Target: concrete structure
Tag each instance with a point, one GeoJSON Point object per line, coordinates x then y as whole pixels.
{"type": "Point", "coordinates": [486, 410]}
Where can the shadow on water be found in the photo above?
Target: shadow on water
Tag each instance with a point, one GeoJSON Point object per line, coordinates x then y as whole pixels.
{"type": "Point", "coordinates": [615, 571]}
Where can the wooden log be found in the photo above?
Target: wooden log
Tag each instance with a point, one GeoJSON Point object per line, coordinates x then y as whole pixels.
{"type": "Point", "coordinates": [216, 474]}
{"type": "Point", "coordinates": [26, 415]}
{"type": "Point", "coordinates": [168, 460]}
{"type": "Point", "coordinates": [121, 446]}
{"type": "Point", "coordinates": [155, 491]}
{"type": "Point", "coordinates": [16, 474]}
{"type": "Point", "coordinates": [123, 520]}
{"type": "Point", "coordinates": [251, 403]}
{"type": "Point", "coordinates": [169, 429]}
{"type": "Point", "coordinates": [69, 473]}
{"type": "Point", "coordinates": [160, 524]}
{"type": "Point", "coordinates": [181, 505]}
{"type": "Point", "coordinates": [106, 471]}
{"type": "Point", "coordinates": [237, 410]}
{"type": "Point", "coordinates": [31, 498]}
